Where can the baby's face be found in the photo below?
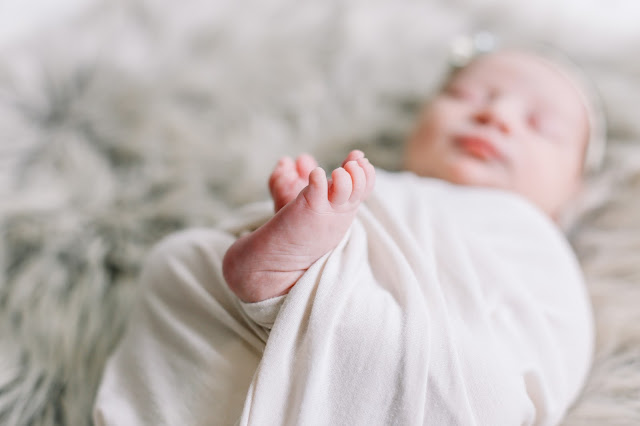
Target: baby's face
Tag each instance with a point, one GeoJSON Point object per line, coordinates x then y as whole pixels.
{"type": "Point", "coordinates": [509, 120]}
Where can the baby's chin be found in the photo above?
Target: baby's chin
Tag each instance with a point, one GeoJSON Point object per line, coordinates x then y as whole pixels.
{"type": "Point", "coordinates": [473, 172]}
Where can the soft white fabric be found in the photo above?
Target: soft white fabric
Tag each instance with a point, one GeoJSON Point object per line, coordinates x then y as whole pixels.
{"type": "Point", "coordinates": [443, 305]}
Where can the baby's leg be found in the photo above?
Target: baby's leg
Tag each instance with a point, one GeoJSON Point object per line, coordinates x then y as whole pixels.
{"type": "Point", "coordinates": [187, 324]}
{"type": "Point", "coordinates": [309, 224]}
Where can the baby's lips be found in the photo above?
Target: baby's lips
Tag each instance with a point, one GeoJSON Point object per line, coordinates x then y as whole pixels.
{"type": "Point", "coordinates": [479, 147]}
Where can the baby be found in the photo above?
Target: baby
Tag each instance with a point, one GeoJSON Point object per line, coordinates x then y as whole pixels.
{"type": "Point", "coordinates": [509, 120]}
{"type": "Point", "coordinates": [449, 297]}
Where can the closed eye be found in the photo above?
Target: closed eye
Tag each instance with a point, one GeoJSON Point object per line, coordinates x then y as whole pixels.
{"type": "Point", "coordinates": [533, 121]}
{"type": "Point", "coordinates": [543, 124]}
{"type": "Point", "coordinates": [465, 93]}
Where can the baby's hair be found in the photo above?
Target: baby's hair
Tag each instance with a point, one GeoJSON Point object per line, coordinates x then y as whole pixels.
{"type": "Point", "coordinates": [465, 49]}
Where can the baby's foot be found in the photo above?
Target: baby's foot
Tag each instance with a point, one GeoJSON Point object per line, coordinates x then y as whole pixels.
{"type": "Point", "coordinates": [270, 260]}
{"type": "Point", "coordinates": [289, 178]}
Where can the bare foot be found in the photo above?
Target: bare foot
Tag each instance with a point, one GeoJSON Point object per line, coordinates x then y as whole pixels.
{"type": "Point", "coordinates": [289, 178]}
{"type": "Point", "coordinates": [309, 224]}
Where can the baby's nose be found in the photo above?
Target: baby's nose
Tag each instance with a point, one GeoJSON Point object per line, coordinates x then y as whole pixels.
{"type": "Point", "coordinates": [497, 111]}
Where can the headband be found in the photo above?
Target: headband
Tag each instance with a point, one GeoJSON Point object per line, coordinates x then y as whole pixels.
{"type": "Point", "coordinates": [465, 49]}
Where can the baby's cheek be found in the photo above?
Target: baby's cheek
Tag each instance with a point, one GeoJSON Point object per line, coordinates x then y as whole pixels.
{"type": "Point", "coordinates": [542, 184]}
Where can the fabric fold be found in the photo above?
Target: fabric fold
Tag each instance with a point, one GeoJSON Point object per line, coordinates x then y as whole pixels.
{"type": "Point", "coordinates": [442, 305]}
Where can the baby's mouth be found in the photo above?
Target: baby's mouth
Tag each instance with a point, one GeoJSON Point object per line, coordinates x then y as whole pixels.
{"type": "Point", "coordinates": [479, 147]}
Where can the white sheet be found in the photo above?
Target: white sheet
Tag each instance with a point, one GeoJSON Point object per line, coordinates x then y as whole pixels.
{"type": "Point", "coordinates": [442, 305]}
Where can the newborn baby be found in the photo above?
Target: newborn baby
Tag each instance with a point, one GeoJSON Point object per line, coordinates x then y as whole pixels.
{"type": "Point", "coordinates": [448, 297]}
{"type": "Point", "coordinates": [510, 120]}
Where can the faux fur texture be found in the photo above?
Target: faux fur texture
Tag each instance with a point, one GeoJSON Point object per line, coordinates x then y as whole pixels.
{"type": "Point", "coordinates": [142, 118]}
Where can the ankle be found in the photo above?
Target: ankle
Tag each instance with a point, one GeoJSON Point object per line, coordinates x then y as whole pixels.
{"type": "Point", "coordinates": [248, 283]}
{"type": "Point", "coordinates": [232, 267]}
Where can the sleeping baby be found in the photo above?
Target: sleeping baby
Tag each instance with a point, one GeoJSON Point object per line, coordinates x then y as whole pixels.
{"type": "Point", "coordinates": [442, 295]}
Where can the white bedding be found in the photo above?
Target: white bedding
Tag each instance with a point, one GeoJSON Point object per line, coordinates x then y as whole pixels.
{"type": "Point", "coordinates": [442, 305]}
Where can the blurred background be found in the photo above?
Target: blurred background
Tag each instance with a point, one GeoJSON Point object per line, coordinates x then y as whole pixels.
{"type": "Point", "coordinates": [20, 18]}
{"type": "Point", "coordinates": [124, 120]}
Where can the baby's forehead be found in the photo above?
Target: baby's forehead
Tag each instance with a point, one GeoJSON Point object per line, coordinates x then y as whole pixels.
{"type": "Point", "coordinates": [518, 68]}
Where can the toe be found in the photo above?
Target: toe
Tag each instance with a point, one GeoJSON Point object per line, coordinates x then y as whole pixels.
{"type": "Point", "coordinates": [358, 180]}
{"type": "Point", "coordinates": [354, 155]}
{"type": "Point", "coordinates": [285, 163]}
{"type": "Point", "coordinates": [283, 168]}
{"type": "Point", "coordinates": [283, 183]}
{"type": "Point", "coordinates": [316, 192]}
{"type": "Point", "coordinates": [341, 186]}
{"type": "Point", "coordinates": [370, 175]}
{"type": "Point", "coordinates": [305, 164]}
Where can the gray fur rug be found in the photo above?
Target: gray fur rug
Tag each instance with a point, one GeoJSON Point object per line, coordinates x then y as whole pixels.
{"type": "Point", "coordinates": [141, 118]}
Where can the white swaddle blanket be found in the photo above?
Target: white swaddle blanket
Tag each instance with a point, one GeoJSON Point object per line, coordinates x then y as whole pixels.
{"type": "Point", "coordinates": [443, 305]}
